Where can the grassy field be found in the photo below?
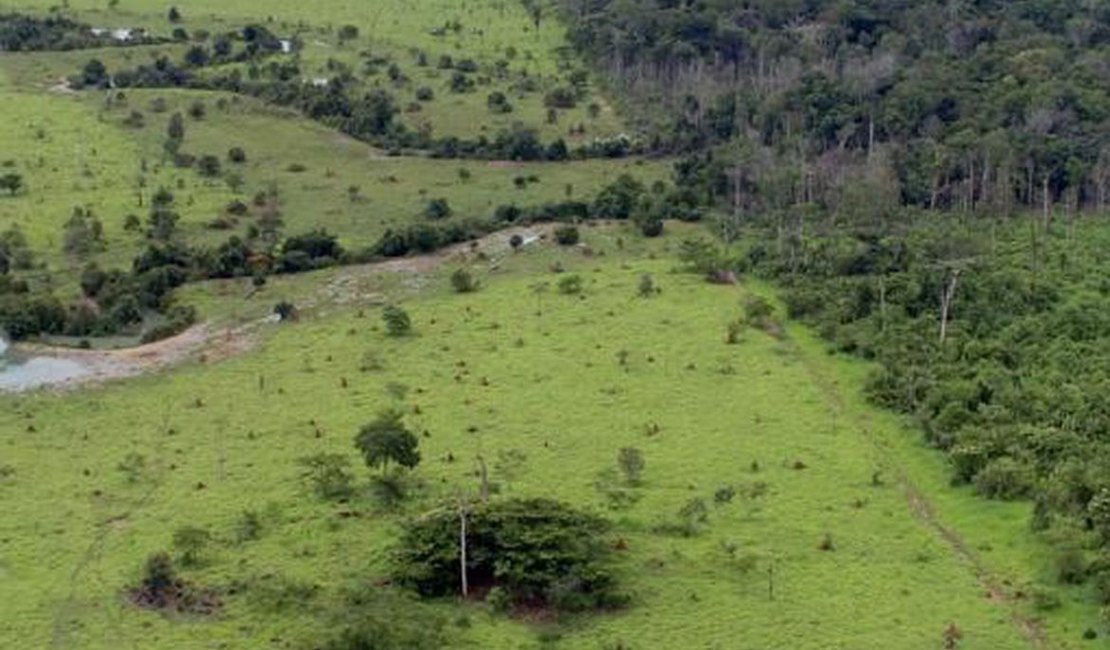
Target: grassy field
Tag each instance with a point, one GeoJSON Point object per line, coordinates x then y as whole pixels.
{"type": "Point", "coordinates": [74, 151]}
{"type": "Point", "coordinates": [545, 393]}
{"type": "Point", "coordinates": [489, 31]}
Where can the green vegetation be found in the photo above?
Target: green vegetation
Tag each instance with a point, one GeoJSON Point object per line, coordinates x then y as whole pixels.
{"type": "Point", "coordinates": [806, 346]}
{"type": "Point", "coordinates": [799, 453]}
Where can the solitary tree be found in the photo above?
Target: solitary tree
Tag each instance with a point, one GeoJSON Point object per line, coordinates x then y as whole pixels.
{"type": "Point", "coordinates": [385, 440]}
{"type": "Point", "coordinates": [11, 182]}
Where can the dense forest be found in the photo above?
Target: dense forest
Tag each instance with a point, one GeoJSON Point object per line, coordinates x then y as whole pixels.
{"type": "Point", "coordinates": [972, 106]}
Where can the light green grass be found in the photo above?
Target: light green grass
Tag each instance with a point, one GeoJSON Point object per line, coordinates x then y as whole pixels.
{"type": "Point", "coordinates": [395, 29]}
{"type": "Point", "coordinates": [76, 533]}
{"type": "Point", "coordinates": [72, 151]}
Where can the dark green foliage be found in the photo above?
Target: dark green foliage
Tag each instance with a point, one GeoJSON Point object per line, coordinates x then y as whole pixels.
{"type": "Point", "coordinates": [497, 102]}
{"type": "Point", "coordinates": [208, 165]}
{"type": "Point", "coordinates": [285, 311]}
{"type": "Point", "coordinates": [570, 285]}
{"type": "Point", "coordinates": [24, 33]}
{"type": "Point", "coordinates": [386, 441]}
{"type": "Point", "coordinates": [539, 551]}
{"type": "Point", "coordinates": [237, 155]}
{"type": "Point", "coordinates": [618, 200]}
{"type": "Point", "coordinates": [462, 281]}
{"type": "Point", "coordinates": [566, 235]}
{"type": "Point", "coordinates": [397, 321]}
{"type": "Point", "coordinates": [561, 97]}
{"type": "Point", "coordinates": [312, 250]}
{"type": "Point", "coordinates": [437, 209]}
{"type": "Point", "coordinates": [11, 182]}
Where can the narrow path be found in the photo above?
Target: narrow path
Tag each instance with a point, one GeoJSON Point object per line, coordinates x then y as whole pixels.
{"type": "Point", "coordinates": [923, 510]}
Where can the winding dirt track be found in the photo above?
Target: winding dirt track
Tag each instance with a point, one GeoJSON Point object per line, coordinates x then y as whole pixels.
{"type": "Point", "coordinates": [208, 344]}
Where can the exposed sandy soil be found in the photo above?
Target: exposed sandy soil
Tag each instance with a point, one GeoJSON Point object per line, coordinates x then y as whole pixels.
{"type": "Point", "coordinates": [207, 344]}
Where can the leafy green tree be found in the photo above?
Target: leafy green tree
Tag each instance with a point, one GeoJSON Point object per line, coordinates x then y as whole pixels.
{"type": "Point", "coordinates": [12, 182]}
{"type": "Point", "coordinates": [385, 440]}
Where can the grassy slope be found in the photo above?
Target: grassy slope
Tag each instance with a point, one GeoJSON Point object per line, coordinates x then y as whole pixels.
{"type": "Point", "coordinates": [75, 530]}
{"type": "Point", "coordinates": [394, 29]}
{"type": "Point", "coordinates": [86, 157]}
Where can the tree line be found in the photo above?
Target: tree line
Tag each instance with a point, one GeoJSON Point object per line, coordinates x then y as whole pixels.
{"type": "Point", "coordinates": [974, 107]}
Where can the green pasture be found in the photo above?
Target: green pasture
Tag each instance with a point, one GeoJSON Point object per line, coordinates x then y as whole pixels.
{"type": "Point", "coordinates": [532, 380]}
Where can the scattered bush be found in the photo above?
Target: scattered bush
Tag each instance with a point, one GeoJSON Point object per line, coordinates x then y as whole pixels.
{"type": "Point", "coordinates": [570, 285]}
{"type": "Point", "coordinates": [463, 282]}
{"type": "Point", "coordinates": [328, 475]}
{"type": "Point", "coordinates": [397, 321]}
{"type": "Point", "coordinates": [566, 235]}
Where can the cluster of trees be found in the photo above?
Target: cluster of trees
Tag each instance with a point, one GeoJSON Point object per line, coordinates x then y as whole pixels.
{"type": "Point", "coordinates": [533, 552]}
{"type": "Point", "coordinates": [977, 106]}
{"type": "Point", "coordinates": [342, 103]}
{"type": "Point", "coordinates": [24, 33]}
{"type": "Point", "coordinates": [255, 43]}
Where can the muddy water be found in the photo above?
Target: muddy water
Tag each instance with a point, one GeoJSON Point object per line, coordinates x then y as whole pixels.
{"type": "Point", "coordinates": [26, 373]}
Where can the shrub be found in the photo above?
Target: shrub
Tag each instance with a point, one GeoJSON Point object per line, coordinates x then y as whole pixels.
{"type": "Point", "coordinates": [237, 155]}
{"type": "Point", "coordinates": [463, 282]}
{"type": "Point", "coordinates": [570, 285]}
{"type": "Point", "coordinates": [208, 165]}
{"type": "Point", "coordinates": [651, 226]}
{"type": "Point", "coordinates": [397, 321]}
{"type": "Point", "coordinates": [437, 209]}
{"type": "Point", "coordinates": [425, 94]}
{"type": "Point", "coordinates": [516, 241]}
{"type": "Point", "coordinates": [285, 311]}
{"type": "Point", "coordinates": [328, 475]}
{"type": "Point", "coordinates": [566, 235]}
{"type": "Point", "coordinates": [646, 287]}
